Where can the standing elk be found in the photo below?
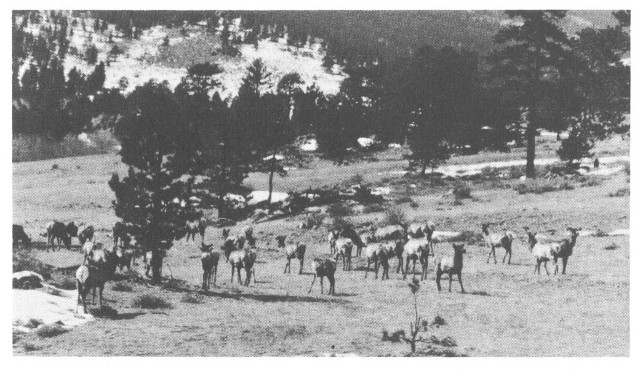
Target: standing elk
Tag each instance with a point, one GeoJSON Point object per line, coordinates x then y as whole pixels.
{"type": "Point", "coordinates": [451, 265]}
{"type": "Point", "coordinates": [292, 251]}
{"type": "Point", "coordinates": [323, 267]}
{"type": "Point", "coordinates": [497, 240]}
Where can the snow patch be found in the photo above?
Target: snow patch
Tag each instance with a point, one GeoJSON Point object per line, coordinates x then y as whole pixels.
{"type": "Point", "coordinates": [47, 308]}
{"type": "Point", "coordinates": [260, 196]}
{"type": "Point", "coordinates": [310, 145]}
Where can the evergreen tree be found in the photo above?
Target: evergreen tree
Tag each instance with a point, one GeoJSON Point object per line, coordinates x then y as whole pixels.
{"type": "Point", "coordinates": [157, 146]}
{"type": "Point", "coordinates": [533, 64]}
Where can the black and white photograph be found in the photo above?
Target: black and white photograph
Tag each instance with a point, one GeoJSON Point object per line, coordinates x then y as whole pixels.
{"type": "Point", "coordinates": [320, 183]}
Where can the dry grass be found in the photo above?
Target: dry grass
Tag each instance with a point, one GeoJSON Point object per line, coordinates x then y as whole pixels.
{"type": "Point", "coordinates": [276, 316]}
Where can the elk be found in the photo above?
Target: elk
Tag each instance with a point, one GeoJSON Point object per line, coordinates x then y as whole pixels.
{"type": "Point", "coordinates": [565, 249]}
{"type": "Point", "coordinates": [210, 261]}
{"type": "Point", "coordinates": [451, 266]}
{"type": "Point", "coordinates": [323, 267]}
{"type": "Point", "coordinates": [344, 247]}
{"type": "Point", "coordinates": [494, 240]}
{"type": "Point", "coordinates": [292, 251]}
{"type": "Point", "coordinates": [542, 253]}
{"type": "Point", "coordinates": [416, 249]}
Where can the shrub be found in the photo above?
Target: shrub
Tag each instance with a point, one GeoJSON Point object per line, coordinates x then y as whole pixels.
{"type": "Point", "coordinates": [339, 210]}
{"type": "Point", "coordinates": [148, 301]}
{"type": "Point", "coordinates": [48, 331]}
{"type": "Point", "coordinates": [192, 298]}
{"type": "Point", "coordinates": [104, 311]}
{"type": "Point", "coordinates": [613, 246]}
{"type": "Point", "coordinates": [394, 216]}
{"type": "Point", "coordinates": [64, 283]}
{"type": "Point", "coordinates": [23, 260]}
{"type": "Point", "coordinates": [620, 192]}
{"type": "Point", "coordinates": [538, 186]}
{"type": "Point", "coordinates": [29, 347]}
{"type": "Point", "coordinates": [339, 223]}
{"type": "Point", "coordinates": [404, 200]}
{"type": "Point", "coordinates": [576, 146]}
{"type": "Point", "coordinates": [461, 191]}
{"type": "Point", "coordinates": [373, 208]}
{"type": "Point", "coordinates": [122, 286]}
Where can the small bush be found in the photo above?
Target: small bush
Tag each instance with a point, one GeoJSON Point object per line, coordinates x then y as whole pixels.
{"type": "Point", "coordinates": [104, 311]}
{"type": "Point", "coordinates": [538, 186]}
{"type": "Point", "coordinates": [404, 200]}
{"type": "Point", "coordinates": [622, 192]}
{"type": "Point", "coordinates": [461, 191]}
{"type": "Point", "coordinates": [148, 301]}
{"type": "Point", "coordinates": [394, 216]}
{"type": "Point", "coordinates": [29, 347]}
{"type": "Point", "coordinates": [122, 286]}
{"type": "Point", "coordinates": [64, 283]}
{"type": "Point", "coordinates": [33, 323]}
{"type": "Point", "coordinates": [613, 246]}
{"type": "Point", "coordinates": [192, 298]}
{"type": "Point", "coordinates": [373, 208]}
{"type": "Point", "coordinates": [35, 148]}
{"type": "Point", "coordinates": [339, 223]}
{"type": "Point", "coordinates": [48, 331]}
{"type": "Point", "coordinates": [23, 260]}
{"type": "Point", "coordinates": [339, 210]}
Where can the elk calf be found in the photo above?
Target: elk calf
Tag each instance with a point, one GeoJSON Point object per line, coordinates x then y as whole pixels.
{"type": "Point", "coordinates": [494, 240]}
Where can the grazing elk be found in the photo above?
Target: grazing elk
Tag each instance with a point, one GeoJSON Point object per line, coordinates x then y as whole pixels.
{"type": "Point", "coordinates": [210, 261]}
{"type": "Point", "coordinates": [292, 251]}
{"type": "Point", "coordinates": [60, 233]}
{"type": "Point", "coordinates": [350, 233]}
{"type": "Point", "coordinates": [323, 267]}
{"type": "Point", "coordinates": [496, 240]}
{"type": "Point", "coordinates": [390, 232]}
{"type": "Point", "coordinates": [372, 253]}
{"type": "Point", "coordinates": [19, 236]}
{"type": "Point", "coordinates": [451, 265]}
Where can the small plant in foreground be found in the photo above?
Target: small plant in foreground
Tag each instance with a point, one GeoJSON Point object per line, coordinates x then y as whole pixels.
{"type": "Point", "coordinates": [148, 301]}
{"type": "Point", "coordinates": [613, 246]}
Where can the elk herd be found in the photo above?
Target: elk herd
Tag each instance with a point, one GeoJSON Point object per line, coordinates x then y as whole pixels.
{"type": "Point", "coordinates": [410, 245]}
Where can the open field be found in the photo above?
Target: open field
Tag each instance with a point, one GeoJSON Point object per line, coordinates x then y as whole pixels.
{"type": "Point", "coordinates": [507, 312]}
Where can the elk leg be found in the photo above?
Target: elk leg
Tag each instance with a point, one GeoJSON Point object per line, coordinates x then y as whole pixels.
{"type": "Point", "coordinates": [564, 264]}
{"type": "Point", "coordinates": [545, 268]}
{"type": "Point", "coordinates": [367, 271]}
{"type": "Point", "coordinates": [438, 276]}
{"type": "Point", "coordinates": [215, 275]}
{"type": "Point", "coordinates": [301, 265]}
{"type": "Point", "coordinates": [460, 280]}
{"type": "Point", "coordinates": [450, 279]}
{"type": "Point", "coordinates": [312, 282]}
{"type": "Point", "coordinates": [322, 285]}
{"type": "Point", "coordinates": [232, 271]}
{"type": "Point", "coordinates": [332, 285]}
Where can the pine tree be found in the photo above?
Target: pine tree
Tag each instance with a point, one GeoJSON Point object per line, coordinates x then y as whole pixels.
{"type": "Point", "coordinates": [532, 64]}
{"type": "Point", "coordinates": [158, 147]}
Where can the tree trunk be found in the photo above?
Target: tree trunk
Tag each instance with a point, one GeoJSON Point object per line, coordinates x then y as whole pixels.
{"type": "Point", "coordinates": [531, 146]}
{"type": "Point", "coordinates": [424, 168]}
{"type": "Point", "coordinates": [156, 266]}
{"type": "Point", "coordinates": [273, 170]}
